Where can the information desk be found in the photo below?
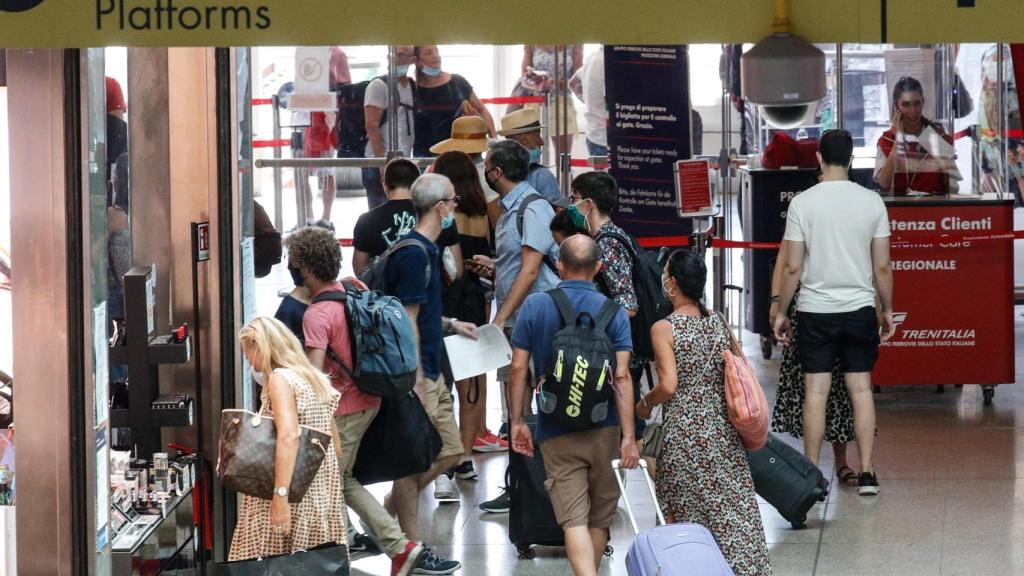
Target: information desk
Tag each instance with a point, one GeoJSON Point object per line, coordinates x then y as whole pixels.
{"type": "Point", "coordinates": [155, 544]}
{"type": "Point", "coordinates": [953, 300]}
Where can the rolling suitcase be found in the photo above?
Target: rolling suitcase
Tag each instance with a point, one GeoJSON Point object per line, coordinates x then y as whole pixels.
{"type": "Point", "coordinates": [669, 549]}
{"type": "Point", "coordinates": [531, 519]}
{"type": "Point", "coordinates": [787, 480]}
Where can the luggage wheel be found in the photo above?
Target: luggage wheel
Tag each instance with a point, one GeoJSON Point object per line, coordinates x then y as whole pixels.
{"type": "Point", "coordinates": [799, 525]}
{"type": "Point", "coordinates": [526, 552]}
{"type": "Point", "coordinates": [988, 393]}
{"type": "Point", "coordinates": [608, 551]}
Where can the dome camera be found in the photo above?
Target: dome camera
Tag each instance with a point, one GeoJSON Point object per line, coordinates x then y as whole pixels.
{"type": "Point", "coordinates": [784, 77]}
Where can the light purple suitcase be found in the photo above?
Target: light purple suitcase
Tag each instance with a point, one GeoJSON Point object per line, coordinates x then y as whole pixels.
{"type": "Point", "coordinates": [669, 549]}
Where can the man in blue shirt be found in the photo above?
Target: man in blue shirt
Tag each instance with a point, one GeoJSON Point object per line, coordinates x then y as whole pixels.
{"type": "Point", "coordinates": [581, 483]}
{"type": "Point", "coordinates": [413, 275]}
{"type": "Point", "coordinates": [526, 251]}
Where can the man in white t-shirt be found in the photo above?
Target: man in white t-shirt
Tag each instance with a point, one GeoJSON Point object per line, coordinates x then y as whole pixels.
{"type": "Point", "coordinates": [376, 102]}
{"type": "Point", "coordinates": [592, 78]}
{"type": "Point", "coordinates": [838, 252]}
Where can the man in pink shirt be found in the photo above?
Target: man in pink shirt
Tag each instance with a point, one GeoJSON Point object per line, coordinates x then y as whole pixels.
{"type": "Point", "coordinates": [317, 255]}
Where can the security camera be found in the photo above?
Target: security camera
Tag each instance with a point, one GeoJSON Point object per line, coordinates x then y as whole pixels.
{"type": "Point", "coordinates": [785, 77]}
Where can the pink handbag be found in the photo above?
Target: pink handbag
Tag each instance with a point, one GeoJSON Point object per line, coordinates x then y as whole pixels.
{"type": "Point", "coordinates": [748, 408]}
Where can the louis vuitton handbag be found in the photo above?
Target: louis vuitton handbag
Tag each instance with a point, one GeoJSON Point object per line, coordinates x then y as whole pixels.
{"type": "Point", "coordinates": [245, 456]}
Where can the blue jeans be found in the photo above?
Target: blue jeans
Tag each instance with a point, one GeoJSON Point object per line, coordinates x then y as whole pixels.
{"type": "Point", "coordinates": [375, 195]}
{"type": "Point", "coordinates": [596, 149]}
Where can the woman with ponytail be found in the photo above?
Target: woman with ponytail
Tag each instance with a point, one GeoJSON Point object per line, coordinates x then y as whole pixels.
{"type": "Point", "coordinates": [294, 393]}
{"type": "Point", "coordinates": [703, 475]}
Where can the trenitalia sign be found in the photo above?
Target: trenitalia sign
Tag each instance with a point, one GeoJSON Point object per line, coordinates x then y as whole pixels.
{"type": "Point", "coordinates": [88, 23]}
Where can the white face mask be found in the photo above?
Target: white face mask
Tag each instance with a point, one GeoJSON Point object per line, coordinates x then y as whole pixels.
{"type": "Point", "coordinates": [259, 377]}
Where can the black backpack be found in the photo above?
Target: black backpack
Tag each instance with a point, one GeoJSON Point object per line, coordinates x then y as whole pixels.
{"type": "Point", "coordinates": [579, 383]}
{"type": "Point", "coordinates": [373, 276]}
{"type": "Point", "coordinates": [521, 215]}
{"type": "Point", "coordinates": [351, 120]}
{"type": "Point", "coordinates": [652, 305]}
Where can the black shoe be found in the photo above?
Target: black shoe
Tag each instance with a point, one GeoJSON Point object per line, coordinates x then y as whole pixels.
{"type": "Point", "coordinates": [464, 471]}
{"type": "Point", "coordinates": [499, 505]}
{"type": "Point", "coordinates": [868, 484]}
{"type": "Point", "coordinates": [363, 546]}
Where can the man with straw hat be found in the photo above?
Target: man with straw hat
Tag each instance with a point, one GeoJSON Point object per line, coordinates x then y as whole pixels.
{"type": "Point", "coordinates": [524, 127]}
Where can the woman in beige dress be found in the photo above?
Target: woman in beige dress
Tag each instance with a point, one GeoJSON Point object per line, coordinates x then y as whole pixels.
{"type": "Point", "coordinates": [293, 394]}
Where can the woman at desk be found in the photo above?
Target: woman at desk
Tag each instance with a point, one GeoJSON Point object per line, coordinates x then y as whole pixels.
{"type": "Point", "coordinates": [906, 163]}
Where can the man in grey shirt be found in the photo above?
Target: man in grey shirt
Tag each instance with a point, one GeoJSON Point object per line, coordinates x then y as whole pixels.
{"type": "Point", "coordinates": [526, 252]}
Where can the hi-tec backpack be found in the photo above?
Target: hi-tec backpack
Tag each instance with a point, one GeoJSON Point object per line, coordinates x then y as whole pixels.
{"type": "Point", "coordinates": [579, 383]}
{"type": "Point", "coordinates": [385, 354]}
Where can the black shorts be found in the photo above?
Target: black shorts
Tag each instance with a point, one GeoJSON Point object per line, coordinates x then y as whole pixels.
{"type": "Point", "coordinates": [850, 337]}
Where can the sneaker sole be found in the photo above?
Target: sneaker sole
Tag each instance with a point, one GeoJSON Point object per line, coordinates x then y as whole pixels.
{"type": "Point", "coordinates": [868, 491]}
{"type": "Point", "coordinates": [489, 449]}
{"type": "Point", "coordinates": [494, 511]}
{"type": "Point", "coordinates": [466, 476]}
{"type": "Point", "coordinates": [446, 499]}
{"type": "Point", "coordinates": [436, 572]}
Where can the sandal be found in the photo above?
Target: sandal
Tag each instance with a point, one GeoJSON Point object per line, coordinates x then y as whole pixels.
{"type": "Point", "coordinates": [847, 476]}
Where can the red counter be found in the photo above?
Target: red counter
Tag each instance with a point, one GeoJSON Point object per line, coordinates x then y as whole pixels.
{"type": "Point", "coordinates": [953, 300]}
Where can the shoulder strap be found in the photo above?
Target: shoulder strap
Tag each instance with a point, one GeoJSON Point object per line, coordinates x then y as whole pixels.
{"type": "Point", "coordinates": [565, 307]}
{"type": "Point", "coordinates": [734, 345]}
{"type": "Point", "coordinates": [521, 211]}
{"type": "Point", "coordinates": [606, 314]}
{"type": "Point", "coordinates": [405, 242]}
{"type": "Point", "coordinates": [622, 239]}
{"type": "Point", "coordinates": [331, 296]}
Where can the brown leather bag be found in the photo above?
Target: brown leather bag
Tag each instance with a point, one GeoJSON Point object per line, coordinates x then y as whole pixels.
{"type": "Point", "coordinates": [246, 455]}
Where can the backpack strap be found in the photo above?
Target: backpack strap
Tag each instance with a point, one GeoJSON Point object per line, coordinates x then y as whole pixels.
{"type": "Point", "coordinates": [606, 314]}
{"type": "Point", "coordinates": [622, 239]}
{"type": "Point", "coordinates": [341, 297]}
{"type": "Point", "coordinates": [406, 242]}
{"type": "Point", "coordinates": [521, 216]}
{"type": "Point", "coordinates": [564, 305]}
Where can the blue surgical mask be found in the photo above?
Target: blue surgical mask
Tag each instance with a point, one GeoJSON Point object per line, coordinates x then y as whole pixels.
{"type": "Point", "coordinates": [447, 221]}
{"type": "Point", "coordinates": [402, 70]}
{"type": "Point", "coordinates": [428, 71]}
{"type": "Point", "coordinates": [535, 154]}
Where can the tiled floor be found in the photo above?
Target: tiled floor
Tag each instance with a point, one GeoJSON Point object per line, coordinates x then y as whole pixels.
{"type": "Point", "coordinates": [952, 501]}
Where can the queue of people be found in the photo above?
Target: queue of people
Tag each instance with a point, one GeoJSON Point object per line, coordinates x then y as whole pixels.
{"type": "Point", "coordinates": [552, 260]}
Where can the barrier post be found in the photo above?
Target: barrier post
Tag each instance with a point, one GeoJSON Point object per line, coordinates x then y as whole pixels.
{"type": "Point", "coordinates": [718, 264]}
{"type": "Point", "coordinates": [545, 131]}
{"type": "Point", "coordinates": [301, 176]}
{"type": "Point", "coordinates": [278, 201]}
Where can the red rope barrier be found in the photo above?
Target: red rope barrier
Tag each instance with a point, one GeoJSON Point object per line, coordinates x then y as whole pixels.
{"type": "Point", "coordinates": [262, 101]}
{"type": "Point", "coordinates": [282, 143]}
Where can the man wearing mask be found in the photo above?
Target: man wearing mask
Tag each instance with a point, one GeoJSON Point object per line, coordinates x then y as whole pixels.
{"type": "Point", "coordinates": [523, 126]}
{"type": "Point", "coordinates": [413, 275]}
{"type": "Point", "coordinates": [314, 256]}
{"type": "Point", "coordinates": [376, 103]}
{"type": "Point", "coordinates": [526, 250]}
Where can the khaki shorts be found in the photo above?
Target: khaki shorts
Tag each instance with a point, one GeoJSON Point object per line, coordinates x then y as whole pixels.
{"type": "Point", "coordinates": [437, 402]}
{"type": "Point", "coordinates": [580, 481]}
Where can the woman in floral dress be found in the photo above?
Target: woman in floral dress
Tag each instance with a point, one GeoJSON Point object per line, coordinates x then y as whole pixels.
{"type": "Point", "coordinates": [294, 393]}
{"type": "Point", "coordinates": [703, 475]}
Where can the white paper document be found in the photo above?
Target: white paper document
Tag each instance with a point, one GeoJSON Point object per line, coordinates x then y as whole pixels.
{"type": "Point", "coordinates": [470, 357]}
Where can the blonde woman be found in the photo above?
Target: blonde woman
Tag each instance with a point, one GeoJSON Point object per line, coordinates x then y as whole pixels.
{"type": "Point", "coordinates": [293, 394]}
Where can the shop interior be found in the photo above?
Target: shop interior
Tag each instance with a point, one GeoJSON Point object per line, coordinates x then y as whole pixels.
{"type": "Point", "coordinates": [129, 178]}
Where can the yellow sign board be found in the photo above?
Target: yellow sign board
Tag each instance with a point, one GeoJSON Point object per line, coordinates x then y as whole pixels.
{"type": "Point", "coordinates": [88, 23]}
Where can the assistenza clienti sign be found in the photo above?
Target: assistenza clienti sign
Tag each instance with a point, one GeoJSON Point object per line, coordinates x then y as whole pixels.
{"type": "Point", "coordinates": [87, 23]}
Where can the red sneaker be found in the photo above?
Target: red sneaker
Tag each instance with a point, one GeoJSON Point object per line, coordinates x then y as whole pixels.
{"type": "Point", "coordinates": [490, 442]}
{"type": "Point", "coordinates": [403, 564]}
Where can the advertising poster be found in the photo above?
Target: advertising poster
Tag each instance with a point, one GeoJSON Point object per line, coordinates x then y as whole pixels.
{"type": "Point", "coordinates": [952, 301]}
{"type": "Point", "coordinates": [648, 99]}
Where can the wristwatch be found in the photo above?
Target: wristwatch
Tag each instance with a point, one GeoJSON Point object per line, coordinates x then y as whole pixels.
{"type": "Point", "coordinates": [281, 491]}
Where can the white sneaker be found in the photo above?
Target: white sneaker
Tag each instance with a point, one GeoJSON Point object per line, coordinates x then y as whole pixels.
{"type": "Point", "coordinates": [445, 489]}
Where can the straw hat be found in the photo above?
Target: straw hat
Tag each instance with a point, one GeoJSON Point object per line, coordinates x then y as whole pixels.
{"type": "Point", "coordinates": [469, 135]}
{"type": "Point", "coordinates": [520, 122]}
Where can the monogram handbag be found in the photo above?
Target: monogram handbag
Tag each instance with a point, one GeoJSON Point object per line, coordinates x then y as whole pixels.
{"type": "Point", "coordinates": [245, 456]}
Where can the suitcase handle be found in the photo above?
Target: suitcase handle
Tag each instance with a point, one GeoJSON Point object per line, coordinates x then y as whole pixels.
{"type": "Point", "coordinates": [620, 477]}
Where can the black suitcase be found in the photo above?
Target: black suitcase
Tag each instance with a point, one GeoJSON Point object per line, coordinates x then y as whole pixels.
{"type": "Point", "coordinates": [787, 480]}
{"type": "Point", "coordinates": [531, 519]}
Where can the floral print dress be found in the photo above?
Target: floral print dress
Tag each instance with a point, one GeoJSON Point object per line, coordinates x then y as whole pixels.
{"type": "Point", "coordinates": [320, 517]}
{"type": "Point", "coordinates": [703, 475]}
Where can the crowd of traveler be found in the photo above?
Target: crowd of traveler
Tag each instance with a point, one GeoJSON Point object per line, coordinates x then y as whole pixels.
{"type": "Point", "coordinates": [475, 241]}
